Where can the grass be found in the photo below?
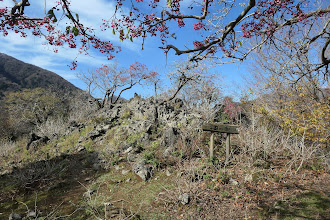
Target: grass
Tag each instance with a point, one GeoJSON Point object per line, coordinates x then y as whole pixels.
{"type": "Point", "coordinates": [136, 195]}
{"type": "Point", "coordinates": [85, 131]}
{"type": "Point", "coordinates": [66, 175]}
{"type": "Point", "coordinates": [134, 137]}
{"type": "Point", "coordinates": [308, 205]}
{"type": "Point", "coordinates": [98, 120]}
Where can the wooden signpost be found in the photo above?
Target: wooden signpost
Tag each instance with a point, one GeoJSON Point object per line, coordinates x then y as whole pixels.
{"type": "Point", "coordinates": [220, 128]}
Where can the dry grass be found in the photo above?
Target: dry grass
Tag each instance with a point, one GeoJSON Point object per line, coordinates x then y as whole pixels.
{"type": "Point", "coordinates": [6, 147]}
{"type": "Point", "coordinates": [266, 143]}
{"type": "Point", "coordinates": [53, 127]}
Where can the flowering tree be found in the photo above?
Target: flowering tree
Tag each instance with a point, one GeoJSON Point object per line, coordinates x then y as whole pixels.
{"type": "Point", "coordinates": [112, 80]}
{"type": "Point", "coordinates": [225, 30]}
{"type": "Point", "coordinates": [216, 36]}
{"type": "Point", "coordinates": [231, 109]}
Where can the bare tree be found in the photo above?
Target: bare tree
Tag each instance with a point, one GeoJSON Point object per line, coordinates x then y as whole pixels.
{"type": "Point", "coordinates": [293, 83]}
{"type": "Point", "coordinates": [113, 80]}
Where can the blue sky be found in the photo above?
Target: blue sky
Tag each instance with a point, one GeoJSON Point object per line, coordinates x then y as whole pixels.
{"type": "Point", "coordinates": [32, 50]}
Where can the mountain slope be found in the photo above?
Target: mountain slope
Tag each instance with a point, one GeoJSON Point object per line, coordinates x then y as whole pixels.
{"type": "Point", "coordinates": [16, 75]}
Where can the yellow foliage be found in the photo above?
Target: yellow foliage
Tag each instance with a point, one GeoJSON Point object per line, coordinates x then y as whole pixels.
{"type": "Point", "coordinates": [300, 114]}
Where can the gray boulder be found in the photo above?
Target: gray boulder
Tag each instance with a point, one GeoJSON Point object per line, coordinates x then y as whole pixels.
{"type": "Point", "coordinates": [143, 170]}
{"type": "Point", "coordinates": [31, 214]}
{"type": "Point", "coordinates": [15, 216]}
{"type": "Point", "coordinates": [94, 134]}
{"type": "Point", "coordinates": [35, 141]}
{"type": "Point", "coordinates": [168, 151]}
{"type": "Point", "coordinates": [184, 198]}
{"type": "Point", "coordinates": [98, 131]}
{"type": "Point", "coordinates": [170, 137]}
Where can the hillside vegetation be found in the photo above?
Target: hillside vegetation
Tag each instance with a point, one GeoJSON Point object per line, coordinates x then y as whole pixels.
{"type": "Point", "coordinates": [16, 75]}
{"type": "Point", "coordinates": [30, 96]}
{"type": "Point", "coordinates": [147, 159]}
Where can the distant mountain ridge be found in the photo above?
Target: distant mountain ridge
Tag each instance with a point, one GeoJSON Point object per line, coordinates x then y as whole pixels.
{"type": "Point", "coordinates": [16, 75]}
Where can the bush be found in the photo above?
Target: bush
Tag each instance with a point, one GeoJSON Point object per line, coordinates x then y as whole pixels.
{"type": "Point", "coordinates": [6, 146]}
{"type": "Point", "coordinates": [53, 127]}
{"type": "Point", "coordinates": [263, 142]}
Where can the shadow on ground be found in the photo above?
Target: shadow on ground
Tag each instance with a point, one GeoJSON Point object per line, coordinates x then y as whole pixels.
{"type": "Point", "coordinates": [307, 205]}
{"type": "Point", "coordinates": [47, 184]}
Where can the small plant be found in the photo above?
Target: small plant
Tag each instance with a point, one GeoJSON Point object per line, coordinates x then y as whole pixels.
{"type": "Point", "coordinates": [114, 159]}
{"type": "Point", "coordinates": [134, 137]}
{"type": "Point", "coordinates": [207, 176]}
{"type": "Point", "coordinates": [151, 158]}
{"type": "Point", "coordinates": [223, 177]}
{"type": "Point", "coordinates": [155, 145]}
{"type": "Point", "coordinates": [89, 146]}
{"type": "Point", "coordinates": [85, 131]}
{"type": "Point", "coordinates": [213, 161]}
{"type": "Point", "coordinates": [126, 114]}
{"type": "Point", "coordinates": [98, 120]}
{"type": "Point", "coordinates": [7, 146]}
{"type": "Point", "coordinates": [179, 153]}
{"type": "Point", "coordinates": [225, 194]}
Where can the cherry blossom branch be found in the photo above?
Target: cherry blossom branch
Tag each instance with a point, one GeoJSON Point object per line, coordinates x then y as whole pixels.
{"type": "Point", "coordinates": [229, 28]}
{"type": "Point", "coordinates": [296, 19]}
{"type": "Point", "coordinates": [174, 16]}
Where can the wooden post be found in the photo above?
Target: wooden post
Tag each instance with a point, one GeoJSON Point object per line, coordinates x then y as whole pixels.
{"type": "Point", "coordinates": [211, 146]}
{"type": "Point", "coordinates": [220, 128]}
{"type": "Point", "coordinates": [227, 148]}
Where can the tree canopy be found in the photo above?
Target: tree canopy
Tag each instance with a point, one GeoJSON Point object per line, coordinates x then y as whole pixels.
{"type": "Point", "coordinates": [224, 28]}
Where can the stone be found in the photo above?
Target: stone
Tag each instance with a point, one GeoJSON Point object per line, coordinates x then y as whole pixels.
{"type": "Point", "coordinates": [128, 150]}
{"type": "Point", "coordinates": [184, 198]}
{"type": "Point", "coordinates": [128, 147]}
{"type": "Point", "coordinates": [131, 157]}
{"type": "Point", "coordinates": [117, 167]}
{"type": "Point", "coordinates": [35, 141]}
{"type": "Point", "coordinates": [106, 127]}
{"type": "Point", "coordinates": [31, 215]}
{"type": "Point", "coordinates": [248, 178]}
{"type": "Point", "coordinates": [143, 170]}
{"type": "Point", "coordinates": [278, 207]}
{"type": "Point", "coordinates": [233, 182]}
{"type": "Point", "coordinates": [124, 172]}
{"type": "Point", "coordinates": [168, 151]}
{"type": "Point", "coordinates": [79, 148]}
{"type": "Point", "coordinates": [98, 131]}
{"type": "Point", "coordinates": [14, 216]}
{"type": "Point", "coordinates": [81, 139]}
{"type": "Point", "coordinates": [94, 134]}
{"type": "Point", "coordinates": [73, 125]}
{"type": "Point", "coordinates": [89, 193]}
{"type": "Point", "coordinates": [170, 137]}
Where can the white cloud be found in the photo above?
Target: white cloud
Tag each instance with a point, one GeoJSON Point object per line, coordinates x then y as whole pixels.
{"type": "Point", "coordinates": [32, 50]}
{"type": "Point", "coordinates": [68, 75]}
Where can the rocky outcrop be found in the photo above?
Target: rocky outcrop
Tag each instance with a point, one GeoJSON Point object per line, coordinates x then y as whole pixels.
{"type": "Point", "coordinates": [143, 170]}
{"type": "Point", "coordinates": [35, 141]}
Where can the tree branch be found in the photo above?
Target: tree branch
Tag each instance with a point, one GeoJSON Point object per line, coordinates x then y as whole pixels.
{"type": "Point", "coordinates": [325, 60]}
{"type": "Point", "coordinates": [230, 27]}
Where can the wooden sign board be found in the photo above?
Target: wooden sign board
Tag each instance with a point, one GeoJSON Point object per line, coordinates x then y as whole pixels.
{"type": "Point", "coordinates": [222, 128]}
